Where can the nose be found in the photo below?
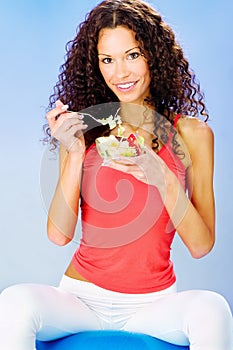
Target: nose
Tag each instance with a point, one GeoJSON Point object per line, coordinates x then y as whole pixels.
{"type": "Point", "coordinates": [121, 69]}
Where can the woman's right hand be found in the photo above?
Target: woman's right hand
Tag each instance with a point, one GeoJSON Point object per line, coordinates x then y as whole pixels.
{"type": "Point", "coordinates": [67, 127]}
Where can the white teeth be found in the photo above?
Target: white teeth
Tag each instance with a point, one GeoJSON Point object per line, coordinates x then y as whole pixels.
{"type": "Point", "coordinates": [125, 86]}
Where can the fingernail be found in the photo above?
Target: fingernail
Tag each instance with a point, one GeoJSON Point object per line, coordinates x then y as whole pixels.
{"type": "Point", "coordinates": [64, 107]}
{"type": "Point", "coordinates": [81, 116]}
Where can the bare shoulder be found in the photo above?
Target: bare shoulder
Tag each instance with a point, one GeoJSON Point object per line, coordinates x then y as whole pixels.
{"type": "Point", "coordinates": [195, 133]}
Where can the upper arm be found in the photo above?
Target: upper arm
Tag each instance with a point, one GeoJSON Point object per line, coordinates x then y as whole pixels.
{"type": "Point", "coordinates": [199, 139]}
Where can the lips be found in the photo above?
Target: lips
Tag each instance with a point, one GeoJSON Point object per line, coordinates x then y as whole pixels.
{"type": "Point", "coordinates": [125, 87]}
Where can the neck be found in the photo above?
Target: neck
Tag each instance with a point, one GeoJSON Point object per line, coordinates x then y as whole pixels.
{"type": "Point", "coordinates": [137, 116]}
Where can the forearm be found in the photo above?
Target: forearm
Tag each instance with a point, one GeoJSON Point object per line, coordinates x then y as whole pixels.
{"type": "Point", "coordinates": [63, 212]}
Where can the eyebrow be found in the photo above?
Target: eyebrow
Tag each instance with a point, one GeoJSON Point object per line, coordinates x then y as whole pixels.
{"type": "Point", "coordinates": [104, 54]}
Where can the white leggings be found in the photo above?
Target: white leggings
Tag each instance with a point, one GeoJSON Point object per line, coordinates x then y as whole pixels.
{"type": "Point", "coordinates": [28, 311]}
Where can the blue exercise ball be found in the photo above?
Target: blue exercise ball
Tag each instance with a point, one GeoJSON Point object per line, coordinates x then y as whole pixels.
{"type": "Point", "coordinates": [105, 340]}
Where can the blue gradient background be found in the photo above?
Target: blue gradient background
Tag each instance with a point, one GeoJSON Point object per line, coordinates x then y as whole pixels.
{"type": "Point", "coordinates": [33, 37]}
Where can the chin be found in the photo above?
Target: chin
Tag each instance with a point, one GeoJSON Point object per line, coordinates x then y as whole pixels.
{"type": "Point", "coordinates": [128, 99]}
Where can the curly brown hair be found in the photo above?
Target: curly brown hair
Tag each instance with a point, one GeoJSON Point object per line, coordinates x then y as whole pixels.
{"type": "Point", "coordinates": [174, 88]}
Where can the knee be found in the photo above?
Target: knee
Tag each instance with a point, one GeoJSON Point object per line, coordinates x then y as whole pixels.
{"type": "Point", "coordinates": [216, 303]}
{"type": "Point", "coordinates": [19, 312]}
{"type": "Point", "coordinates": [19, 300]}
{"type": "Point", "coordinates": [15, 293]}
{"type": "Point", "coordinates": [212, 308]}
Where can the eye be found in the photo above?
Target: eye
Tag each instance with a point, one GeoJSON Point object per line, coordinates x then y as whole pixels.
{"type": "Point", "coordinates": [106, 60]}
{"type": "Point", "coordinates": [133, 55]}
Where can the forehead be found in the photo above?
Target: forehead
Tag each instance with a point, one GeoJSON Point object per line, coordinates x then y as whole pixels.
{"type": "Point", "coordinates": [116, 40]}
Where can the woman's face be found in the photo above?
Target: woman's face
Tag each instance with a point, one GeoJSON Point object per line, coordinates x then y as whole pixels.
{"type": "Point", "coordinates": [123, 67]}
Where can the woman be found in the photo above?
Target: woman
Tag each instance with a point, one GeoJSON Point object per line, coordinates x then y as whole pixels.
{"type": "Point", "coordinates": [125, 61]}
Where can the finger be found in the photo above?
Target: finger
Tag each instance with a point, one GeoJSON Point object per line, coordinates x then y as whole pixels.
{"type": "Point", "coordinates": [69, 115]}
{"type": "Point", "coordinates": [117, 166]}
{"type": "Point", "coordinates": [54, 113]}
{"type": "Point", "coordinates": [133, 170]}
{"type": "Point", "coordinates": [126, 167]}
{"type": "Point", "coordinates": [66, 122]}
{"type": "Point", "coordinates": [76, 130]}
{"type": "Point", "coordinates": [137, 160]}
{"type": "Point", "coordinates": [63, 123]}
{"type": "Point", "coordinates": [68, 129]}
{"type": "Point", "coordinates": [125, 160]}
{"type": "Point", "coordinates": [59, 103]}
{"type": "Point", "coordinates": [66, 119]}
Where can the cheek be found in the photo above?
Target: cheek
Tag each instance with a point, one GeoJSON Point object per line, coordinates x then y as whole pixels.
{"type": "Point", "coordinates": [144, 70]}
{"type": "Point", "coordinates": [106, 73]}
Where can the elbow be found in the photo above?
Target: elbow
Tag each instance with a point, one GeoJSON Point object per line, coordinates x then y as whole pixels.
{"type": "Point", "coordinates": [56, 236]}
{"type": "Point", "coordinates": [202, 250]}
{"type": "Point", "coordinates": [60, 239]}
{"type": "Point", "coordinates": [202, 246]}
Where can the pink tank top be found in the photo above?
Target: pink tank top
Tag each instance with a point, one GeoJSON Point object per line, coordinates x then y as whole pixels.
{"type": "Point", "coordinates": [126, 231]}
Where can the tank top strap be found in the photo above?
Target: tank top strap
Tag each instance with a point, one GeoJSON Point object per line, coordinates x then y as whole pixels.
{"type": "Point", "coordinates": [177, 117]}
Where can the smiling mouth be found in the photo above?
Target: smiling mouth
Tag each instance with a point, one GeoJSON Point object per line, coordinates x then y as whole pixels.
{"type": "Point", "coordinates": [126, 86]}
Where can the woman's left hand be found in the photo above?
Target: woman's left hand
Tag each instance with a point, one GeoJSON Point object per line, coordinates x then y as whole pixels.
{"type": "Point", "coordinates": [148, 168]}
